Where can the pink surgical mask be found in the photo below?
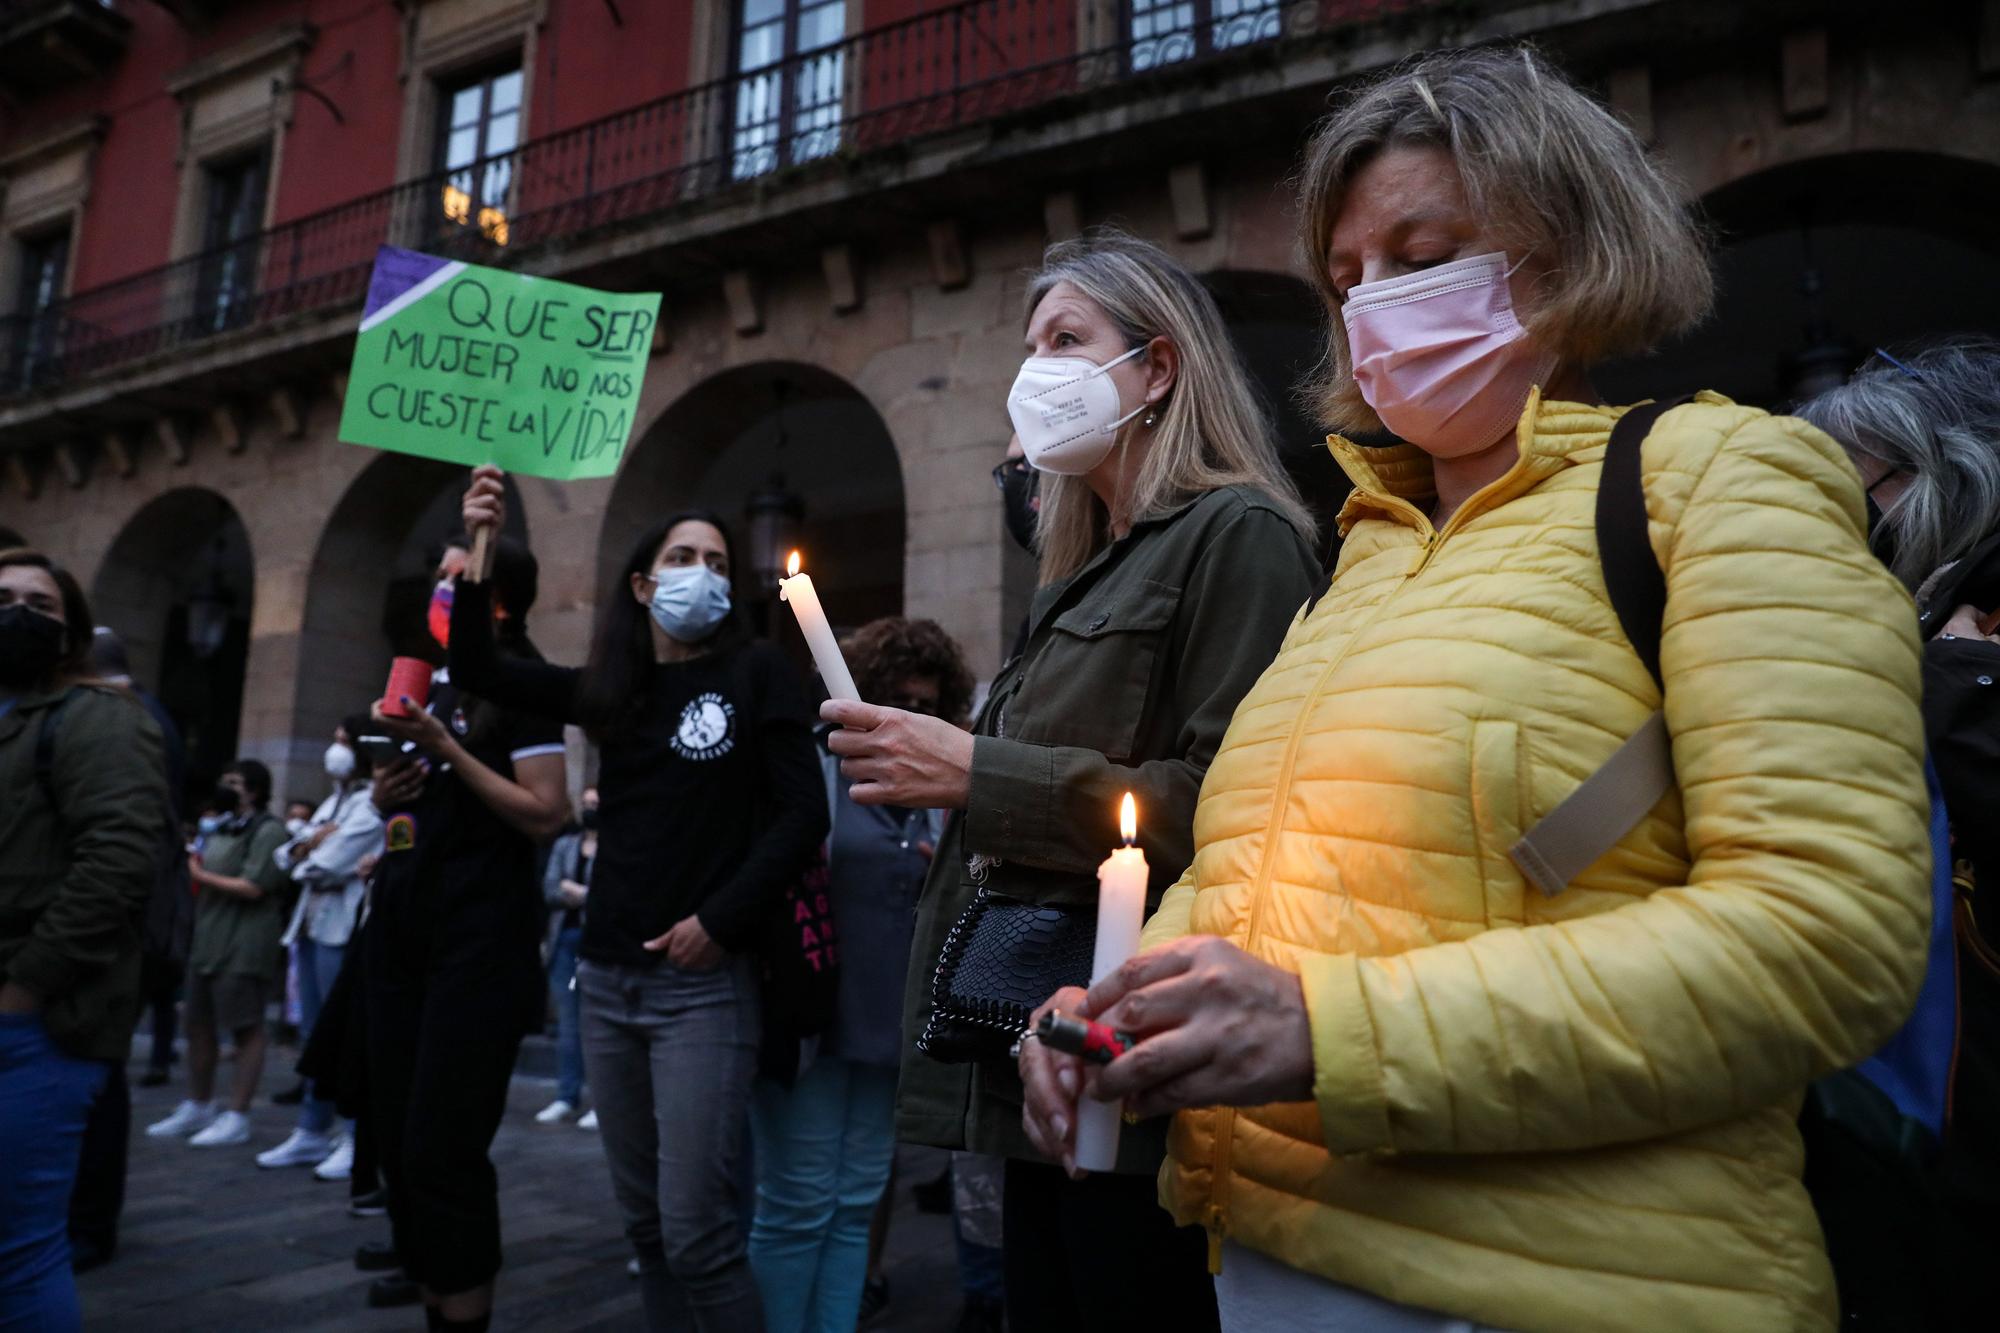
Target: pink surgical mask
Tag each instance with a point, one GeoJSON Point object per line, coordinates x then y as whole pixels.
{"type": "Point", "coordinates": [1440, 356]}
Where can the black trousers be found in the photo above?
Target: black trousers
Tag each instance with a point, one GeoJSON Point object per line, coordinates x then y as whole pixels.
{"type": "Point", "coordinates": [98, 1197]}
{"type": "Point", "coordinates": [159, 988]}
{"type": "Point", "coordinates": [441, 1040]}
{"type": "Point", "coordinates": [1100, 1253]}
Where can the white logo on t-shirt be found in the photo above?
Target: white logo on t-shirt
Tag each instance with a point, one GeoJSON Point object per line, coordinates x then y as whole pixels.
{"type": "Point", "coordinates": [708, 728]}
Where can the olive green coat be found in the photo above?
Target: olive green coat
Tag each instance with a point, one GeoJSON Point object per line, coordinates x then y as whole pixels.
{"type": "Point", "coordinates": [74, 879]}
{"type": "Point", "coordinates": [1132, 669]}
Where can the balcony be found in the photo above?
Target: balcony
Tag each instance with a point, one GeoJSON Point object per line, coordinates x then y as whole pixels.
{"type": "Point", "coordinates": [47, 43]}
{"type": "Point", "coordinates": [851, 110]}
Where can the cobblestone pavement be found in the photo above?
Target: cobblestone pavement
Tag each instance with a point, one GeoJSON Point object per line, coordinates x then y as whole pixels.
{"type": "Point", "coordinates": [211, 1243]}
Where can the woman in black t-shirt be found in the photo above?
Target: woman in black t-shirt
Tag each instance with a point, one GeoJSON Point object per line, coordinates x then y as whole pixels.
{"type": "Point", "coordinates": [711, 803]}
{"type": "Point", "coordinates": [451, 961]}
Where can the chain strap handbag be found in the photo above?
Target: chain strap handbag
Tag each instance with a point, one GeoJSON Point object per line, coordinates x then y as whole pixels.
{"type": "Point", "coordinates": [1002, 958]}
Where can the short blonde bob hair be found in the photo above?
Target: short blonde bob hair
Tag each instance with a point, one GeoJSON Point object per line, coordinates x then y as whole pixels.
{"type": "Point", "coordinates": [1210, 431]}
{"type": "Point", "coordinates": [1549, 173]}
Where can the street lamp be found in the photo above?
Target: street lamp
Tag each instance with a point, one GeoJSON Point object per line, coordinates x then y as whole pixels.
{"type": "Point", "coordinates": [773, 512]}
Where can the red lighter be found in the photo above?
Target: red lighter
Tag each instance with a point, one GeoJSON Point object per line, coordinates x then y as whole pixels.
{"type": "Point", "coordinates": [1095, 1042]}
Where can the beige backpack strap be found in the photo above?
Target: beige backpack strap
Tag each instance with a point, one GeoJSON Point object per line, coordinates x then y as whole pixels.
{"type": "Point", "coordinates": [1592, 819]}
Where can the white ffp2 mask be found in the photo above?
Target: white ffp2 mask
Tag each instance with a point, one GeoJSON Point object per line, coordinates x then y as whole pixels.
{"type": "Point", "coordinates": [1065, 409]}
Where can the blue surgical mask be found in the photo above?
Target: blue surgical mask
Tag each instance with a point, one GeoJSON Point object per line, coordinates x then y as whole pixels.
{"type": "Point", "coordinates": [209, 823]}
{"type": "Point", "coordinates": [689, 602]}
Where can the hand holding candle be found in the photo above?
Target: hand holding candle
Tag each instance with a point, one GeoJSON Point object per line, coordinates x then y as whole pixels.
{"type": "Point", "coordinates": [798, 592]}
{"type": "Point", "coordinates": [1121, 911]}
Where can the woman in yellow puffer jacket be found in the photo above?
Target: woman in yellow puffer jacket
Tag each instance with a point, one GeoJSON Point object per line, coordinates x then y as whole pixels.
{"type": "Point", "coordinates": [1413, 1089]}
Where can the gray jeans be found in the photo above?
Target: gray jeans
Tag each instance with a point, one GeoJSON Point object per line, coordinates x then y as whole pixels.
{"type": "Point", "coordinates": [669, 1056]}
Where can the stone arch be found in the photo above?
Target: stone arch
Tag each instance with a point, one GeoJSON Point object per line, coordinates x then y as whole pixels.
{"type": "Point", "coordinates": [177, 583]}
{"type": "Point", "coordinates": [370, 582]}
{"type": "Point", "coordinates": [719, 443]}
{"type": "Point", "coordinates": [1277, 326]}
{"type": "Point", "coordinates": [1902, 245]}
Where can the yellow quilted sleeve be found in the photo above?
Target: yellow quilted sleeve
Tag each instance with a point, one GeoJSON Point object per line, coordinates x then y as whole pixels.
{"type": "Point", "coordinates": [1798, 942]}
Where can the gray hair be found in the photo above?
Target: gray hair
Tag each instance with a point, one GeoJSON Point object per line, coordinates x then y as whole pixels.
{"type": "Point", "coordinates": [1933, 413]}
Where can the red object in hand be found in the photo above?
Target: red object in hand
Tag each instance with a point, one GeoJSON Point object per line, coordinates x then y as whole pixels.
{"type": "Point", "coordinates": [408, 676]}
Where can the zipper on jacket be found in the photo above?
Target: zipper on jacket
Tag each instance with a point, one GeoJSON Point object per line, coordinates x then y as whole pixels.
{"type": "Point", "coordinates": [1215, 1218]}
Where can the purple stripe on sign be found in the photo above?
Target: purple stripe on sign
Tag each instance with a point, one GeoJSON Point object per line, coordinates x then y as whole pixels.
{"type": "Point", "coordinates": [396, 271]}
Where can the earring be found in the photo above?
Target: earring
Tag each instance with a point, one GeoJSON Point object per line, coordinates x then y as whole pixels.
{"type": "Point", "coordinates": [1152, 418]}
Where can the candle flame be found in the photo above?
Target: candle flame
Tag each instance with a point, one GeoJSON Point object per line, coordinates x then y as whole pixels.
{"type": "Point", "coordinates": [792, 565]}
{"type": "Point", "coordinates": [1128, 819]}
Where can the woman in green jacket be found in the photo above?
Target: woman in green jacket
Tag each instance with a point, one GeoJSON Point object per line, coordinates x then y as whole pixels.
{"type": "Point", "coordinates": [83, 827]}
{"type": "Point", "coordinates": [1174, 551]}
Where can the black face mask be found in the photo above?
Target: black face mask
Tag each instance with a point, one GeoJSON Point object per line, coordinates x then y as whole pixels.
{"type": "Point", "coordinates": [587, 817]}
{"type": "Point", "coordinates": [1881, 539]}
{"type": "Point", "coordinates": [1020, 492]}
{"type": "Point", "coordinates": [227, 799]}
{"type": "Point", "coordinates": [30, 646]}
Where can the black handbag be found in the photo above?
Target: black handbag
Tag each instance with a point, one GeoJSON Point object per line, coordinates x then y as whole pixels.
{"type": "Point", "coordinates": [1002, 958]}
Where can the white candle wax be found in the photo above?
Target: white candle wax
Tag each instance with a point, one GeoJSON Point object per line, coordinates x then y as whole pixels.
{"type": "Point", "coordinates": [798, 592]}
{"type": "Point", "coordinates": [1121, 911]}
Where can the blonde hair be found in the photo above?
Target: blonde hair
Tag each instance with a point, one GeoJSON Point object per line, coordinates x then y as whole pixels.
{"type": "Point", "coordinates": [1210, 431]}
{"type": "Point", "coordinates": [1548, 172]}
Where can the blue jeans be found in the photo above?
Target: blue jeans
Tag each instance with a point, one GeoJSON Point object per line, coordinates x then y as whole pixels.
{"type": "Point", "coordinates": [318, 965]}
{"type": "Point", "coordinates": [824, 1147]}
{"type": "Point", "coordinates": [569, 1016]}
{"type": "Point", "coordinates": [45, 1098]}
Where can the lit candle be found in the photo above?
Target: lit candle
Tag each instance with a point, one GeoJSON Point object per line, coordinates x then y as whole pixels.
{"type": "Point", "coordinates": [1121, 911]}
{"type": "Point", "coordinates": [798, 591]}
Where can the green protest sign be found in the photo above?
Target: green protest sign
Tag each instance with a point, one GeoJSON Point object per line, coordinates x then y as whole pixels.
{"type": "Point", "coordinates": [479, 365]}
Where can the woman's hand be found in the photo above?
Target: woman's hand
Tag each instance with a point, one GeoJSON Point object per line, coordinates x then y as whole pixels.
{"type": "Point", "coordinates": [398, 784]}
{"type": "Point", "coordinates": [689, 946]}
{"type": "Point", "coordinates": [572, 893]}
{"type": "Point", "coordinates": [485, 503]}
{"type": "Point", "coordinates": [428, 732]}
{"type": "Point", "coordinates": [899, 758]}
{"type": "Point", "coordinates": [1216, 1027]}
{"type": "Point", "coordinates": [1051, 1080]}
{"type": "Point", "coordinates": [1964, 624]}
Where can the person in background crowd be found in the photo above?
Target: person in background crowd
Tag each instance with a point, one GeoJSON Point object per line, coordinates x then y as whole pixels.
{"type": "Point", "coordinates": [1922, 427]}
{"type": "Point", "coordinates": [1415, 1089]}
{"type": "Point", "coordinates": [170, 912]}
{"type": "Point", "coordinates": [452, 964]}
{"type": "Point", "coordinates": [243, 900]}
{"type": "Point", "coordinates": [712, 807]}
{"type": "Point", "coordinates": [298, 817]}
{"type": "Point", "coordinates": [1174, 550]}
{"type": "Point", "coordinates": [99, 1198]}
{"type": "Point", "coordinates": [83, 815]}
{"type": "Point", "coordinates": [566, 888]}
{"type": "Point", "coordinates": [324, 860]}
{"type": "Point", "coordinates": [825, 1144]}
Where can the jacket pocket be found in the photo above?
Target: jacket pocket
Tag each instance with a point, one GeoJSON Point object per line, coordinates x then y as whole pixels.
{"type": "Point", "coordinates": [1499, 788]}
{"type": "Point", "coordinates": [1092, 684]}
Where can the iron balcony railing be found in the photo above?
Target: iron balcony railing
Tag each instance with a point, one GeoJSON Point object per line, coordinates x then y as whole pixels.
{"type": "Point", "coordinates": [947, 69]}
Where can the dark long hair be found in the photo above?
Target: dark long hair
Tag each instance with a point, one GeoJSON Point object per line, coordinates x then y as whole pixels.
{"type": "Point", "coordinates": [612, 691]}
{"type": "Point", "coordinates": [516, 579]}
{"type": "Point", "coordinates": [78, 627]}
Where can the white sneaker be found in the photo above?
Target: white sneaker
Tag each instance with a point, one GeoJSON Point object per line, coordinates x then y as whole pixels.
{"type": "Point", "coordinates": [555, 1112]}
{"type": "Point", "coordinates": [589, 1120]}
{"type": "Point", "coordinates": [303, 1148]}
{"type": "Point", "coordinates": [341, 1164]}
{"type": "Point", "coordinates": [228, 1129]}
{"type": "Point", "coordinates": [188, 1118]}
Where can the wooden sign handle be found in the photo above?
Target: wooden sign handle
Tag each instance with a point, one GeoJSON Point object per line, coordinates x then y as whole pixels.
{"type": "Point", "coordinates": [480, 561]}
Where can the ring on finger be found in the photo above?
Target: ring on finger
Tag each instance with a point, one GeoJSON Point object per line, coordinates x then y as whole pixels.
{"type": "Point", "coordinates": [1014, 1051]}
